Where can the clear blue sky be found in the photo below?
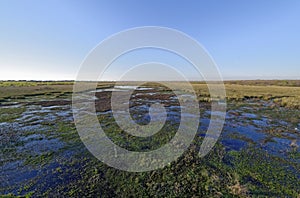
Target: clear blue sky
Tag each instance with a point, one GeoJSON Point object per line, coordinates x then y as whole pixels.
{"type": "Point", "coordinates": [48, 39]}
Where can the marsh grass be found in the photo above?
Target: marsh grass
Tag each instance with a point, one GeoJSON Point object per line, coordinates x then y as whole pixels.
{"type": "Point", "coordinates": [246, 173]}
{"type": "Point", "coordinates": [264, 174]}
{"type": "Point", "coordinates": [283, 93]}
{"type": "Point", "coordinates": [10, 114]}
{"type": "Point", "coordinates": [290, 102]}
{"type": "Point", "coordinates": [33, 83]}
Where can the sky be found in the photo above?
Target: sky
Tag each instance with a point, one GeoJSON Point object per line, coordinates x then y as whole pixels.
{"type": "Point", "coordinates": [49, 39]}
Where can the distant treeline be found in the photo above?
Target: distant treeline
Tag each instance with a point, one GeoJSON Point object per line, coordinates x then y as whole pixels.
{"type": "Point", "coordinates": [289, 83]}
{"type": "Point", "coordinates": [26, 83]}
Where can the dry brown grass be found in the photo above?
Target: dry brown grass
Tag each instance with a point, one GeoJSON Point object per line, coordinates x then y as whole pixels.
{"type": "Point", "coordinates": [287, 96]}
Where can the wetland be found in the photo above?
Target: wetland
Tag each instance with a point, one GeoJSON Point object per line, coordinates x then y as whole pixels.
{"type": "Point", "coordinates": [257, 153]}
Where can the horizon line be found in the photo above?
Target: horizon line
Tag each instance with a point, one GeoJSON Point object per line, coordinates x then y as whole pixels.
{"type": "Point", "coordinates": [62, 80]}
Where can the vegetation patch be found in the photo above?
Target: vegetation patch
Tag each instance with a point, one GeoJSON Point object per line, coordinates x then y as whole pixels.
{"type": "Point", "coordinates": [68, 169]}
{"type": "Point", "coordinates": [10, 114]}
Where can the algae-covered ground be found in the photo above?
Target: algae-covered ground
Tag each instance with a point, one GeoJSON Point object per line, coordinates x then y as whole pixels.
{"type": "Point", "coordinates": [257, 154]}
